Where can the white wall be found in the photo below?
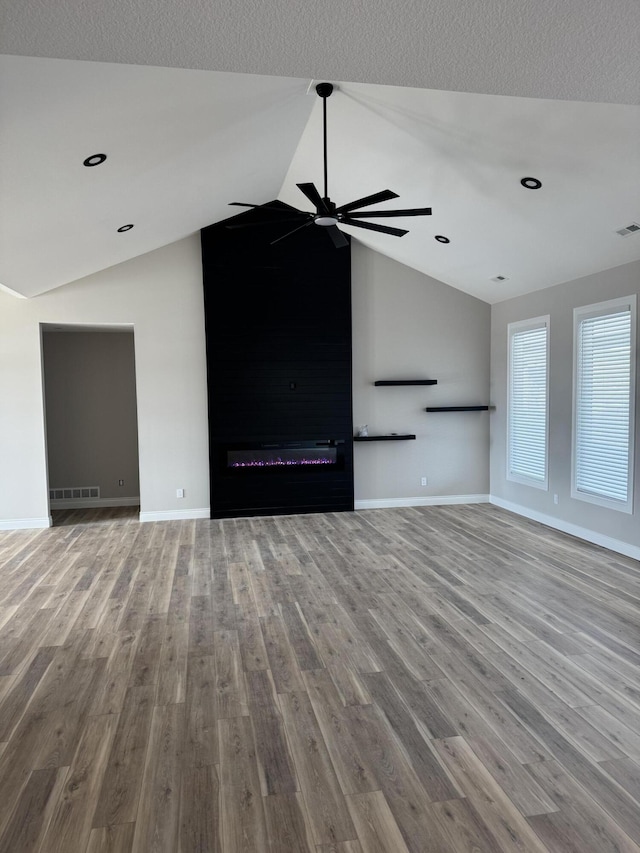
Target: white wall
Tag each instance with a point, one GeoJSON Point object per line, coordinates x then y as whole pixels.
{"type": "Point", "coordinates": [407, 325]}
{"type": "Point", "coordinates": [91, 417]}
{"type": "Point", "coordinates": [597, 523]}
{"type": "Point", "coordinates": [160, 295]}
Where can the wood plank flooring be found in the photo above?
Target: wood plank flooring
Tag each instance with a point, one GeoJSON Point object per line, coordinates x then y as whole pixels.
{"type": "Point", "coordinates": [442, 679]}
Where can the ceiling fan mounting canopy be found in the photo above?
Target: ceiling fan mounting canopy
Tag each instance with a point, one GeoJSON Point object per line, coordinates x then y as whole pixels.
{"type": "Point", "coordinates": [327, 214]}
{"type": "Point", "coordinates": [324, 89]}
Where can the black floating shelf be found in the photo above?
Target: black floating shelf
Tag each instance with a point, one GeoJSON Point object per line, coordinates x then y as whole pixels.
{"type": "Point", "coordinates": [406, 382]}
{"type": "Point", "coordinates": [457, 409]}
{"type": "Point", "coordinates": [383, 437]}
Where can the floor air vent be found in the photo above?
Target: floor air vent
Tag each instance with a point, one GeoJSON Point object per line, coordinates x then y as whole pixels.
{"type": "Point", "coordinates": [74, 493]}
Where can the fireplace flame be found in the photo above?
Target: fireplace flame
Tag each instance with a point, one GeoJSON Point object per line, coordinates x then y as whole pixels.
{"type": "Point", "coordinates": [278, 461]}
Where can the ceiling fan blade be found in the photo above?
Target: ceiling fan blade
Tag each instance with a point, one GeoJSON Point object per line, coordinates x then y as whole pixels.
{"type": "Point", "coordinates": [289, 233]}
{"type": "Point", "coordinates": [260, 206]}
{"type": "Point", "coordinates": [371, 226]}
{"type": "Point", "coordinates": [339, 240]}
{"type": "Point", "coordinates": [412, 211]}
{"type": "Point", "coordinates": [267, 221]}
{"type": "Point", "coordinates": [385, 195]}
{"type": "Point", "coordinates": [314, 197]}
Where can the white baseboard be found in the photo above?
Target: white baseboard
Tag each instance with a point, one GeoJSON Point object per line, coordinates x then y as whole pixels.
{"type": "Point", "coordinates": [616, 545]}
{"type": "Point", "coordinates": [175, 514]}
{"type": "Point", "coordinates": [431, 500]}
{"type": "Point", "coordinates": [25, 523]}
{"type": "Point", "coordinates": [92, 503]}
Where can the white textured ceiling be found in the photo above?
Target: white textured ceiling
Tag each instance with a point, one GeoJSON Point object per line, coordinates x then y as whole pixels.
{"type": "Point", "coordinates": [182, 143]}
{"type": "Point", "coordinates": [569, 49]}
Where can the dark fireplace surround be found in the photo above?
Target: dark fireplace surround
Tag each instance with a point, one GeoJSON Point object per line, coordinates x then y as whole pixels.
{"type": "Point", "coordinates": [278, 328]}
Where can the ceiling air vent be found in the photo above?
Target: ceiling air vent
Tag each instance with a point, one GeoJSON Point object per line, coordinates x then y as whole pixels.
{"type": "Point", "coordinates": [628, 229]}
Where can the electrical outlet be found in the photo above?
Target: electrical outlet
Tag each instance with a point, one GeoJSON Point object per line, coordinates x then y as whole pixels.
{"type": "Point", "coordinates": [555, 499]}
{"type": "Point", "coordinates": [423, 481]}
{"type": "Point", "coordinates": [179, 493]}
{"type": "Point", "coordinates": [121, 482]}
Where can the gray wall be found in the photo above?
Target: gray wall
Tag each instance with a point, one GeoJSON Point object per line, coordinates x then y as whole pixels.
{"type": "Point", "coordinates": [160, 296]}
{"type": "Point", "coordinates": [559, 303]}
{"type": "Point", "coordinates": [407, 325]}
{"type": "Point", "coordinates": [90, 398]}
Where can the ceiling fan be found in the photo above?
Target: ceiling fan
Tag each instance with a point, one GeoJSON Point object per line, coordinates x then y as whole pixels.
{"type": "Point", "coordinates": [327, 215]}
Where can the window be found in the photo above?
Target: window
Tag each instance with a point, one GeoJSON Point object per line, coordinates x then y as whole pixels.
{"type": "Point", "coordinates": [528, 406]}
{"type": "Point", "coordinates": [604, 394]}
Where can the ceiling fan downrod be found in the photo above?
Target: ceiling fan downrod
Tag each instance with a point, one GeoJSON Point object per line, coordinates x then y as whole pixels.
{"type": "Point", "coordinates": [325, 90]}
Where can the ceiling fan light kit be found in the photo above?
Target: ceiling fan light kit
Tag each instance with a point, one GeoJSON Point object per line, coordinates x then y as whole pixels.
{"type": "Point", "coordinates": [327, 215]}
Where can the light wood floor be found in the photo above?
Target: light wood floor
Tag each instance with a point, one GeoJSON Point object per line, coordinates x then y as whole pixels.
{"type": "Point", "coordinates": [436, 679]}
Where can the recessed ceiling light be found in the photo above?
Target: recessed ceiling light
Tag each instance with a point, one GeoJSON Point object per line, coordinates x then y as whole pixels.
{"type": "Point", "coordinates": [499, 278]}
{"type": "Point", "coordinates": [442, 239]}
{"type": "Point", "coordinates": [95, 160]}
{"type": "Point", "coordinates": [531, 183]}
{"type": "Point", "coordinates": [124, 228]}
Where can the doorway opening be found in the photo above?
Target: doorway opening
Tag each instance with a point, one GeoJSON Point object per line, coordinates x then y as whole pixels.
{"type": "Point", "coordinates": [91, 423]}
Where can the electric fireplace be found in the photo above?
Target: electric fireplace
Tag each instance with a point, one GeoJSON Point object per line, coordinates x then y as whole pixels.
{"type": "Point", "coordinates": [280, 456]}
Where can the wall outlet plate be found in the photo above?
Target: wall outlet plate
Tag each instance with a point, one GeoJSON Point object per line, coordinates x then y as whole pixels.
{"type": "Point", "coordinates": [179, 493]}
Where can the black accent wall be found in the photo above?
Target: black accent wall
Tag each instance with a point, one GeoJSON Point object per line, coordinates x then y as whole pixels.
{"type": "Point", "coordinates": [278, 327]}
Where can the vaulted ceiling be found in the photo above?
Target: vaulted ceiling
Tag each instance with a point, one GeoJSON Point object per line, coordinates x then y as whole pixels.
{"type": "Point", "coordinates": [481, 96]}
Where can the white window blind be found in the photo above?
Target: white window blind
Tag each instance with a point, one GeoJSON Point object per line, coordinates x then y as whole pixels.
{"type": "Point", "coordinates": [604, 393]}
{"type": "Point", "coordinates": [528, 402]}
